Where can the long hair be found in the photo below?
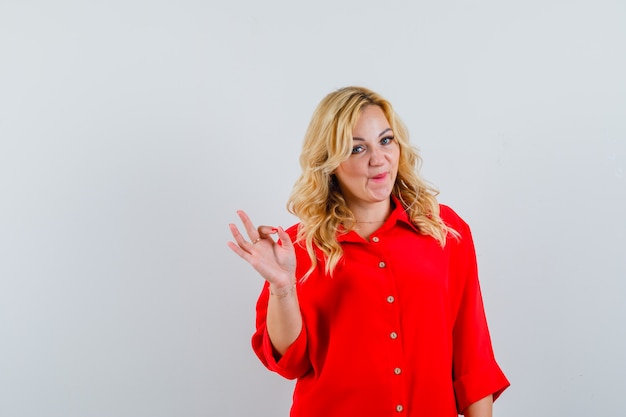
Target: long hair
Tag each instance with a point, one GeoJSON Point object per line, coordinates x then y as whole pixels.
{"type": "Point", "coordinates": [316, 198]}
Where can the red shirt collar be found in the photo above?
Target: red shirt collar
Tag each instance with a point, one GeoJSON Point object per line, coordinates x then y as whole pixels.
{"type": "Point", "coordinates": [398, 215]}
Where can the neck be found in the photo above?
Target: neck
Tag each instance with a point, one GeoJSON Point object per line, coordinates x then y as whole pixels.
{"type": "Point", "coordinates": [372, 213]}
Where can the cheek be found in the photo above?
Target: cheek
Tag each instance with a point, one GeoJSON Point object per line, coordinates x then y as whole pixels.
{"type": "Point", "coordinates": [397, 153]}
{"type": "Point", "coordinates": [341, 175]}
{"type": "Point", "coordinates": [396, 161]}
{"type": "Point", "coordinates": [394, 155]}
{"type": "Point", "coordinates": [348, 168]}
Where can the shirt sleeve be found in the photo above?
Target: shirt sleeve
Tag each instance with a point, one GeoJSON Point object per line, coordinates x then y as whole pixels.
{"type": "Point", "coordinates": [295, 362]}
{"type": "Point", "coordinates": [476, 373]}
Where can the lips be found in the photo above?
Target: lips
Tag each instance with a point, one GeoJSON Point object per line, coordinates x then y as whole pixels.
{"type": "Point", "coordinates": [380, 176]}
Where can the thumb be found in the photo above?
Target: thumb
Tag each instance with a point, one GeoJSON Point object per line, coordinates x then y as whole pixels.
{"type": "Point", "coordinates": [283, 237]}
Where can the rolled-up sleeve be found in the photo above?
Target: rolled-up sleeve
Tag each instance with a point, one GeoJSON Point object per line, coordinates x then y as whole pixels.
{"type": "Point", "coordinates": [476, 373]}
{"type": "Point", "coordinates": [295, 362]}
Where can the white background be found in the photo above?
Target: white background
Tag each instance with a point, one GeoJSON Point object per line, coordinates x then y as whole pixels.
{"type": "Point", "coordinates": [131, 131]}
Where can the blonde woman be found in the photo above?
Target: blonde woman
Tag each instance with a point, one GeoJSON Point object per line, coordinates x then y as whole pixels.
{"type": "Point", "coordinates": [372, 301]}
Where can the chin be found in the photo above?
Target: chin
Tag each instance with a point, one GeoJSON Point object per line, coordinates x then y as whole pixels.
{"type": "Point", "coordinates": [381, 197]}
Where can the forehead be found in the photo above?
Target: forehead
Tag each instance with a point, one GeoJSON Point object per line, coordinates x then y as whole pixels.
{"type": "Point", "coordinates": [371, 121]}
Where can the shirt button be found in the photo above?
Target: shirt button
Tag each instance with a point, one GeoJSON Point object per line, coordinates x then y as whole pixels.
{"type": "Point", "coordinates": [399, 408]}
{"type": "Point", "coordinates": [393, 335]}
{"type": "Point", "coordinates": [375, 239]}
{"type": "Point", "coordinates": [382, 264]}
{"type": "Point", "coordinates": [390, 299]}
{"type": "Point", "coordinates": [397, 371]}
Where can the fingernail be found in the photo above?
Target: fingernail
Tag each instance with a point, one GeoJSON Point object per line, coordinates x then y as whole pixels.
{"type": "Point", "coordinates": [274, 230]}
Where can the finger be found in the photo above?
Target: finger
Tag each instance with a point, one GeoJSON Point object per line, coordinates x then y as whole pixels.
{"type": "Point", "coordinates": [266, 231]}
{"type": "Point", "coordinates": [243, 243]}
{"type": "Point", "coordinates": [241, 252]}
{"type": "Point", "coordinates": [235, 248]}
{"type": "Point", "coordinates": [247, 223]}
{"type": "Point", "coordinates": [285, 240]}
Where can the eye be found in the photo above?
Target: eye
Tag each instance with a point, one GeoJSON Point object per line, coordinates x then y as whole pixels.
{"type": "Point", "coordinates": [358, 149]}
{"type": "Point", "coordinates": [387, 140]}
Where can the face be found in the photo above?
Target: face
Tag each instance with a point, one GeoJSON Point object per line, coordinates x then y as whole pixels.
{"type": "Point", "coordinates": [368, 175]}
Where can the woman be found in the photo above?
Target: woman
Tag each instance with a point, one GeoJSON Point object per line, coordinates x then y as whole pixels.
{"type": "Point", "coordinates": [372, 301]}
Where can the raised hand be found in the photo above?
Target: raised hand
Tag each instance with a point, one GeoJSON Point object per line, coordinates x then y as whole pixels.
{"type": "Point", "coordinates": [274, 260]}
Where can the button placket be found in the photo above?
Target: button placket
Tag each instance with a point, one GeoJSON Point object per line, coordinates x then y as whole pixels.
{"type": "Point", "coordinates": [390, 300]}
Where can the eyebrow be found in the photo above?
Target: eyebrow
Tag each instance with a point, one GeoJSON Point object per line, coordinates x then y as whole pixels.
{"type": "Point", "coordinates": [379, 135]}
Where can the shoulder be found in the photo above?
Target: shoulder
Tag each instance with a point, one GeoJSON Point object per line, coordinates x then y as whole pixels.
{"type": "Point", "coordinates": [452, 219]}
{"type": "Point", "coordinates": [459, 242]}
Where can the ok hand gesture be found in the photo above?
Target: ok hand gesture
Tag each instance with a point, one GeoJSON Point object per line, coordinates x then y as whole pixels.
{"type": "Point", "coordinates": [274, 260]}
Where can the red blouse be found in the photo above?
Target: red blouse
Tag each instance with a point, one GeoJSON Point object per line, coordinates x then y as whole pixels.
{"type": "Point", "coordinates": [398, 330]}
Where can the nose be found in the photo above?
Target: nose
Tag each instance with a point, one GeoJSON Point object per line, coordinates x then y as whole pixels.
{"type": "Point", "coordinates": [377, 157]}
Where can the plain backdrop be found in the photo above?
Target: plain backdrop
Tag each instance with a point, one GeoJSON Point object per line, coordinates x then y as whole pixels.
{"type": "Point", "coordinates": [131, 131]}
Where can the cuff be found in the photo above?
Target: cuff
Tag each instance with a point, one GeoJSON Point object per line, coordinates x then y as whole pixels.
{"type": "Point", "coordinates": [475, 386]}
{"type": "Point", "coordinates": [294, 363]}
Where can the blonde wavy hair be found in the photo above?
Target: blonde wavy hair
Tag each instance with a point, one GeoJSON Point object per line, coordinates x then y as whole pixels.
{"type": "Point", "coordinates": [316, 198]}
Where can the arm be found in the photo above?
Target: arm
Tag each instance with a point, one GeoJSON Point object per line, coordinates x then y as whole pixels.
{"type": "Point", "coordinates": [276, 262]}
{"type": "Point", "coordinates": [476, 373]}
{"type": "Point", "coordinates": [284, 320]}
{"type": "Point", "coordinates": [481, 408]}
